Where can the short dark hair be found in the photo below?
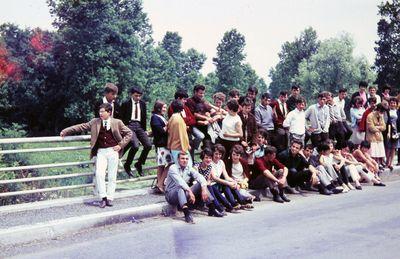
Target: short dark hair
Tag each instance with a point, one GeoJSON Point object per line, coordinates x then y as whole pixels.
{"type": "Point", "coordinates": [196, 88]}
{"type": "Point", "coordinates": [181, 93]}
{"type": "Point", "coordinates": [393, 99]}
{"type": "Point", "coordinates": [233, 105]}
{"type": "Point", "coordinates": [176, 106]}
{"type": "Point", "coordinates": [270, 150]}
{"type": "Point", "coordinates": [299, 100]}
{"type": "Point", "coordinates": [296, 141]}
{"type": "Point", "coordinates": [220, 148]}
{"type": "Point", "coordinates": [252, 89]}
{"type": "Point", "coordinates": [110, 88]}
{"type": "Point", "coordinates": [283, 93]}
{"type": "Point", "coordinates": [342, 90]}
{"type": "Point", "coordinates": [365, 144]}
{"type": "Point", "coordinates": [371, 99]}
{"type": "Point", "coordinates": [309, 146]}
{"type": "Point", "coordinates": [246, 102]}
{"type": "Point", "coordinates": [206, 152]}
{"type": "Point", "coordinates": [362, 84]}
{"type": "Point", "coordinates": [136, 89]}
{"type": "Point", "coordinates": [182, 153]}
{"type": "Point", "coordinates": [234, 92]}
{"type": "Point", "coordinates": [321, 95]}
{"type": "Point", "coordinates": [262, 132]}
{"type": "Point", "coordinates": [106, 106]}
{"type": "Point", "coordinates": [265, 96]}
{"type": "Point", "coordinates": [386, 87]}
{"type": "Point", "coordinates": [380, 108]}
{"type": "Point", "coordinates": [238, 149]}
{"type": "Point", "coordinates": [295, 87]}
{"type": "Point", "coordinates": [323, 147]}
{"type": "Point", "coordinates": [158, 105]}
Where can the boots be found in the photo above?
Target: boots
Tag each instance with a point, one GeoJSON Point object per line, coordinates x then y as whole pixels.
{"type": "Point", "coordinates": [212, 211]}
{"type": "Point", "coordinates": [283, 196]}
{"type": "Point", "coordinates": [322, 190]}
{"type": "Point", "coordinates": [276, 197]}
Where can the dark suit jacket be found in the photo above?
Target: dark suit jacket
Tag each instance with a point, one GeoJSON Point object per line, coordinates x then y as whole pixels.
{"type": "Point", "coordinates": [126, 112]}
{"type": "Point", "coordinates": [279, 118]}
{"type": "Point", "coordinates": [251, 126]}
{"type": "Point", "coordinates": [121, 133]}
{"type": "Point", "coordinates": [117, 109]}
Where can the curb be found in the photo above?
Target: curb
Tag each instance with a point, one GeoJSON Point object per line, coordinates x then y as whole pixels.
{"type": "Point", "coordinates": [52, 229]}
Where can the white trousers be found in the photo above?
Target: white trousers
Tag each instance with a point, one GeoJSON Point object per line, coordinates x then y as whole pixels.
{"type": "Point", "coordinates": [107, 159]}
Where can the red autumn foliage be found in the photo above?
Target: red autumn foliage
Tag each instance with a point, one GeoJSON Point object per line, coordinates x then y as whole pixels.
{"type": "Point", "coordinates": [40, 42]}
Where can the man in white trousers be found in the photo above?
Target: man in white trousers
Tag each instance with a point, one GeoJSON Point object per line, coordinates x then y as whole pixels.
{"type": "Point", "coordinates": [109, 136]}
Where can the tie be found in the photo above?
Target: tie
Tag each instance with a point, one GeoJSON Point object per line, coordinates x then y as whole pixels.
{"type": "Point", "coordinates": [136, 111]}
{"type": "Point", "coordinates": [283, 110]}
{"type": "Point", "coordinates": [105, 124]}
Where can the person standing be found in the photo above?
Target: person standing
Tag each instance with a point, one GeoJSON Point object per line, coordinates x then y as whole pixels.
{"type": "Point", "coordinates": [110, 96]}
{"type": "Point", "coordinates": [231, 131]}
{"type": "Point", "coordinates": [294, 94]}
{"type": "Point", "coordinates": [109, 136]}
{"type": "Point", "coordinates": [265, 116]}
{"type": "Point", "coordinates": [280, 109]}
{"type": "Point", "coordinates": [356, 115]}
{"type": "Point", "coordinates": [158, 125]}
{"type": "Point", "coordinates": [295, 121]}
{"type": "Point", "coordinates": [318, 116]}
{"type": "Point", "coordinates": [375, 126]}
{"type": "Point", "coordinates": [134, 114]}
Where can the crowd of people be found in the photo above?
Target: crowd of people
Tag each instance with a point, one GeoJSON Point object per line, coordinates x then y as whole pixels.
{"type": "Point", "coordinates": [280, 143]}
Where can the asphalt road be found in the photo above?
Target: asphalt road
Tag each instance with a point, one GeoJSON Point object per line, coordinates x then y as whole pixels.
{"type": "Point", "coordinates": [359, 224]}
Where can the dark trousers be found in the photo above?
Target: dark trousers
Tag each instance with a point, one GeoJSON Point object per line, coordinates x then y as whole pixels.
{"type": "Point", "coordinates": [139, 135]}
{"type": "Point", "coordinates": [337, 132]}
{"type": "Point", "coordinates": [218, 197]}
{"type": "Point", "coordinates": [260, 182]}
{"type": "Point", "coordinates": [280, 139]}
{"type": "Point", "coordinates": [318, 138]}
{"type": "Point", "coordinates": [298, 178]}
{"type": "Point", "coordinates": [233, 195]}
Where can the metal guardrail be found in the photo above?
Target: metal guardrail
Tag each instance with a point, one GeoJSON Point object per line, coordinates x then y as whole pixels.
{"type": "Point", "coordinates": [53, 165]}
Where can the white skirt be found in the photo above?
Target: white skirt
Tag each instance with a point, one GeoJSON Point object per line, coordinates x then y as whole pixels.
{"type": "Point", "coordinates": [357, 137]}
{"type": "Point", "coordinates": [163, 156]}
{"type": "Point", "coordinates": [377, 149]}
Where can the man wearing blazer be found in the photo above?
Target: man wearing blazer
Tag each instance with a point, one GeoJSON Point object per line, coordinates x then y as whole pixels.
{"type": "Point", "coordinates": [110, 96]}
{"type": "Point", "coordinates": [109, 136]}
{"type": "Point", "coordinates": [134, 114]}
{"type": "Point", "coordinates": [280, 109]}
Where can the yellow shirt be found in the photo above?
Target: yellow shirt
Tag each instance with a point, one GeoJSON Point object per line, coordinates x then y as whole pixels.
{"type": "Point", "coordinates": [177, 135]}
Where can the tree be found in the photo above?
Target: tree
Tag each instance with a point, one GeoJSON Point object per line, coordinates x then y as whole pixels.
{"type": "Point", "coordinates": [99, 42]}
{"type": "Point", "coordinates": [28, 67]}
{"type": "Point", "coordinates": [333, 67]}
{"type": "Point", "coordinates": [291, 55]}
{"type": "Point", "coordinates": [387, 62]}
{"type": "Point", "coordinates": [229, 62]}
{"type": "Point", "coordinates": [187, 64]}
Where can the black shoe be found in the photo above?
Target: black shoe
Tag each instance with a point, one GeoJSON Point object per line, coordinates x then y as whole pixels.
{"type": "Point", "coordinates": [283, 196]}
{"type": "Point", "coordinates": [336, 190]}
{"type": "Point", "coordinates": [139, 168]}
{"type": "Point", "coordinates": [325, 191]}
{"type": "Point", "coordinates": [103, 203]}
{"type": "Point", "coordinates": [109, 203]}
{"type": "Point", "coordinates": [359, 187]}
{"type": "Point", "coordinates": [215, 212]}
{"type": "Point", "coordinates": [257, 198]}
{"type": "Point", "coordinates": [189, 218]}
{"type": "Point", "coordinates": [379, 184]}
{"type": "Point", "coordinates": [291, 190]}
{"type": "Point", "coordinates": [128, 170]}
{"type": "Point", "coordinates": [277, 198]}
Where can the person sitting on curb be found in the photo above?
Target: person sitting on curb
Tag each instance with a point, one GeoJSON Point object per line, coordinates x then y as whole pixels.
{"type": "Point", "coordinates": [109, 136]}
{"type": "Point", "coordinates": [179, 193]}
{"type": "Point", "coordinates": [269, 172]}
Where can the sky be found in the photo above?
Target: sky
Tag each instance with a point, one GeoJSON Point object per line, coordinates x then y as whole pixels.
{"type": "Point", "coordinates": [266, 24]}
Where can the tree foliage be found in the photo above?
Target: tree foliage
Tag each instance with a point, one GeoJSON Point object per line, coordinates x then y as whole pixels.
{"type": "Point", "coordinates": [387, 61]}
{"type": "Point", "coordinates": [332, 67]}
{"type": "Point", "coordinates": [290, 57]}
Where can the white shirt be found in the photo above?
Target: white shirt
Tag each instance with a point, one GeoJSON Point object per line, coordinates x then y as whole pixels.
{"type": "Point", "coordinates": [229, 126]}
{"type": "Point", "coordinates": [134, 109]}
{"type": "Point", "coordinates": [378, 98]}
{"type": "Point", "coordinates": [296, 122]}
{"type": "Point", "coordinates": [112, 105]}
{"type": "Point", "coordinates": [340, 103]}
{"type": "Point", "coordinates": [107, 123]}
{"type": "Point", "coordinates": [237, 172]}
{"type": "Point", "coordinates": [218, 168]}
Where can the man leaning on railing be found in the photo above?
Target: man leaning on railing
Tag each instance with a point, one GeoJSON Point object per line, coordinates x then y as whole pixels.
{"type": "Point", "coordinates": [109, 136]}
